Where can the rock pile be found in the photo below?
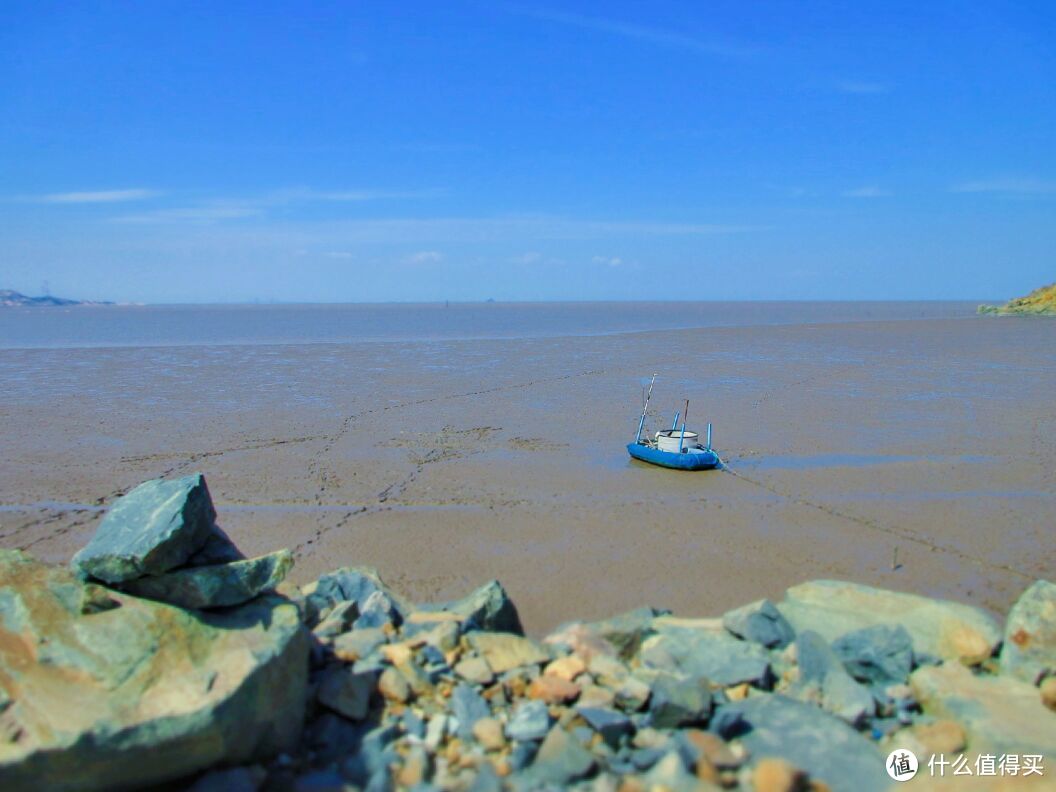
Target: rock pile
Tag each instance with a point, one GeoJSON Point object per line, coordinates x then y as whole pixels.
{"type": "Point", "coordinates": [164, 656]}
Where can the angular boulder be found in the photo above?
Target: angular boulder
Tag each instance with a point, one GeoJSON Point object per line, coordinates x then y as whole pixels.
{"type": "Point", "coordinates": [760, 622]}
{"type": "Point", "coordinates": [948, 630]}
{"type": "Point", "coordinates": [677, 701]}
{"type": "Point", "coordinates": [880, 655]}
{"type": "Point", "coordinates": [530, 720]}
{"type": "Point", "coordinates": [216, 586]}
{"type": "Point", "coordinates": [156, 527]}
{"type": "Point", "coordinates": [109, 691]}
{"type": "Point", "coordinates": [1029, 650]}
{"type": "Point", "coordinates": [348, 584]}
{"type": "Point", "coordinates": [1000, 714]}
{"type": "Point", "coordinates": [487, 608]}
{"type": "Point", "coordinates": [824, 746]}
{"type": "Point", "coordinates": [627, 631]}
{"type": "Point", "coordinates": [822, 678]}
{"type": "Point", "coordinates": [506, 651]}
{"type": "Point", "coordinates": [700, 653]}
{"type": "Point", "coordinates": [560, 760]}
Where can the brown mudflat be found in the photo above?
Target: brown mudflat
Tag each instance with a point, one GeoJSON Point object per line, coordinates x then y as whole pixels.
{"type": "Point", "coordinates": [447, 463]}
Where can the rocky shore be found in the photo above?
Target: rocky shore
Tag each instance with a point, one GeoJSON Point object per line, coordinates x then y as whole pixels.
{"type": "Point", "coordinates": [162, 656]}
{"type": "Point", "coordinates": [1040, 302]}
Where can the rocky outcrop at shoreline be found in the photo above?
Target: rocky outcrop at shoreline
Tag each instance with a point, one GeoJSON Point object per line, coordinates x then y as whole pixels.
{"type": "Point", "coordinates": [1040, 302]}
{"type": "Point", "coordinates": [164, 656]}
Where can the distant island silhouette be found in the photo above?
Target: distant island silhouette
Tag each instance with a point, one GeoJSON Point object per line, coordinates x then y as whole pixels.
{"type": "Point", "coordinates": [9, 298]}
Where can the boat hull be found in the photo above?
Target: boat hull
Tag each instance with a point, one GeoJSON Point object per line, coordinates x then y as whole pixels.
{"type": "Point", "coordinates": [692, 460]}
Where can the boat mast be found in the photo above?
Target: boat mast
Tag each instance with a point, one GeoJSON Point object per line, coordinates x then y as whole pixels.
{"type": "Point", "coordinates": [682, 437]}
{"type": "Point", "coordinates": [645, 407]}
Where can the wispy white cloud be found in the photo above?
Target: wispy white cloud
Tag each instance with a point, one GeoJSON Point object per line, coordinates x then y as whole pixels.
{"type": "Point", "coordinates": [720, 46]}
{"type": "Point", "coordinates": [1008, 186]}
{"type": "Point", "coordinates": [237, 208]}
{"type": "Point", "coordinates": [531, 257]}
{"type": "Point", "coordinates": [611, 261]}
{"type": "Point", "coordinates": [97, 196]}
{"type": "Point", "coordinates": [304, 194]}
{"type": "Point", "coordinates": [862, 87]}
{"type": "Point", "coordinates": [868, 191]}
{"type": "Point", "coordinates": [205, 213]}
{"type": "Point", "coordinates": [339, 254]}
{"type": "Point", "coordinates": [425, 257]}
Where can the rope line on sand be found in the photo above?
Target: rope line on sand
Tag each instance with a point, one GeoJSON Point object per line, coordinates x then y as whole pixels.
{"type": "Point", "coordinates": [896, 532]}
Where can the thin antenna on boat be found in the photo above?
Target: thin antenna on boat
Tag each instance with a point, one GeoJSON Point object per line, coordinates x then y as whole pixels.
{"type": "Point", "coordinates": [674, 424]}
{"type": "Point", "coordinates": [682, 438]}
{"type": "Point", "coordinates": [645, 407]}
{"type": "Point", "coordinates": [709, 435]}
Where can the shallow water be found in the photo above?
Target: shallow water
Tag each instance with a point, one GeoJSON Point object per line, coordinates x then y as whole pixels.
{"type": "Point", "coordinates": [212, 325]}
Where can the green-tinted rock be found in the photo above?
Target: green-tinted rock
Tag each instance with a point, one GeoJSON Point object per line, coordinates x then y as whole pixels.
{"type": "Point", "coordinates": [677, 701]}
{"type": "Point", "coordinates": [824, 680]}
{"type": "Point", "coordinates": [948, 630]}
{"type": "Point", "coordinates": [349, 584]}
{"type": "Point", "coordinates": [700, 653]}
{"type": "Point", "coordinates": [610, 724]}
{"type": "Point", "coordinates": [506, 651]}
{"type": "Point", "coordinates": [824, 746]}
{"type": "Point", "coordinates": [220, 585]}
{"type": "Point", "coordinates": [1029, 650]}
{"type": "Point", "coordinates": [139, 692]}
{"type": "Point", "coordinates": [1000, 714]}
{"type": "Point", "coordinates": [560, 760]}
{"type": "Point", "coordinates": [760, 622]}
{"type": "Point", "coordinates": [156, 527]}
{"type": "Point", "coordinates": [357, 644]}
{"type": "Point", "coordinates": [348, 691]}
{"type": "Point", "coordinates": [487, 608]}
{"type": "Point", "coordinates": [627, 631]}
{"type": "Point", "coordinates": [880, 655]}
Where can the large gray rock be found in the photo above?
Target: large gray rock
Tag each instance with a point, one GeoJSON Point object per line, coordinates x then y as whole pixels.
{"type": "Point", "coordinates": [347, 691]}
{"type": "Point", "coordinates": [216, 586]}
{"type": "Point", "coordinates": [349, 584]}
{"type": "Point", "coordinates": [560, 760]}
{"type": "Point", "coordinates": [760, 622]}
{"type": "Point", "coordinates": [1000, 714]}
{"type": "Point", "coordinates": [1029, 650]}
{"type": "Point", "coordinates": [487, 608]}
{"type": "Point", "coordinates": [701, 653]}
{"type": "Point", "coordinates": [880, 655]}
{"type": "Point", "coordinates": [530, 721]}
{"type": "Point", "coordinates": [824, 746]}
{"type": "Point", "coordinates": [679, 701]}
{"type": "Point", "coordinates": [377, 611]}
{"type": "Point", "coordinates": [610, 724]}
{"type": "Point", "coordinates": [948, 630]}
{"type": "Point", "coordinates": [627, 631]}
{"type": "Point", "coordinates": [156, 527]}
{"type": "Point", "coordinates": [506, 651]}
{"type": "Point", "coordinates": [824, 680]}
{"type": "Point", "coordinates": [109, 691]}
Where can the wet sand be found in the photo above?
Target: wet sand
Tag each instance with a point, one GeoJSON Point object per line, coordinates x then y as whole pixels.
{"type": "Point", "coordinates": [448, 463]}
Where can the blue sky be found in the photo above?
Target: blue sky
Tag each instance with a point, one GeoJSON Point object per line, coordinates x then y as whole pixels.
{"type": "Point", "coordinates": [213, 152]}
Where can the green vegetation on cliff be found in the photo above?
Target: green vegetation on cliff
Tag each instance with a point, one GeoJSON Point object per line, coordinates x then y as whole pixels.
{"type": "Point", "coordinates": [1040, 302]}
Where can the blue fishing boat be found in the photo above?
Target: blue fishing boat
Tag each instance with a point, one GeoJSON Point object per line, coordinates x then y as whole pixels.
{"type": "Point", "coordinates": [675, 447]}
